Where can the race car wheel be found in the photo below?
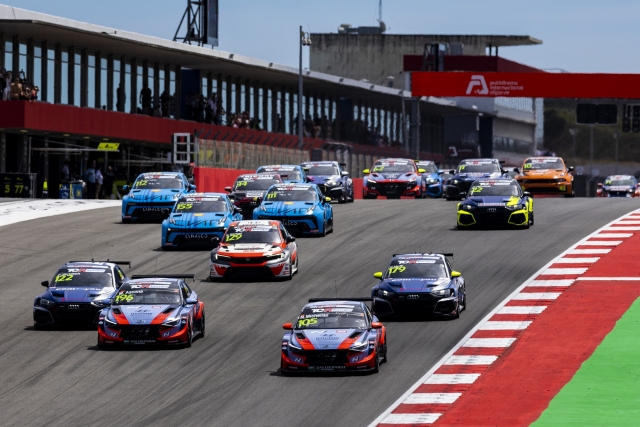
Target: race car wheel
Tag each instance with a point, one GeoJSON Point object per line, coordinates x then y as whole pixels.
{"type": "Point", "coordinates": [531, 218]}
{"type": "Point", "coordinates": [189, 337]}
{"type": "Point", "coordinates": [384, 355]}
{"type": "Point", "coordinates": [290, 276]}
{"type": "Point", "coordinates": [572, 194]}
{"type": "Point", "coordinates": [126, 221]}
{"type": "Point", "coordinates": [202, 325]}
{"type": "Point", "coordinates": [377, 367]}
{"type": "Point", "coordinates": [324, 229]}
{"type": "Point", "coordinates": [343, 198]}
{"type": "Point", "coordinates": [352, 198]}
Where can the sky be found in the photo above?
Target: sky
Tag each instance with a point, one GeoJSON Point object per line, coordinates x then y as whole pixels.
{"type": "Point", "coordinates": [577, 35]}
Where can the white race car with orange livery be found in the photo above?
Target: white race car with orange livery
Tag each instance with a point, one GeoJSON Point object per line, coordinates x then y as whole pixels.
{"type": "Point", "coordinates": [255, 249]}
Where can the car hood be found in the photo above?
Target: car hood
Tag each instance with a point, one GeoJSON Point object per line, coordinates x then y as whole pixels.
{"type": "Point", "coordinates": [144, 314]}
{"type": "Point", "coordinates": [205, 219]}
{"type": "Point", "coordinates": [79, 294]}
{"type": "Point", "coordinates": [321, 179]}
{"type": "Point", "coordinates": [330, 339]}
{"type": "Point", "coordinates": [544, 174]}
{"type": "Point", "coordinates": [284, 208]}
{"type": "Point", "coordinates": [251, 194]}
{"type": "Point", "coordinates": [154, 195]}
{"type": "Point", "coordinates": [618, 187]}
{"type": "Point", "coordinates": [413, 285]}
{"type": "Point", "coordinates": [255, 249]}
{"type": "Point", "coordinates": [476, 175]}
{"type": "Point", "coordinates": [407, 176]}
{"type": "Point", "coordinates": [491, 200]}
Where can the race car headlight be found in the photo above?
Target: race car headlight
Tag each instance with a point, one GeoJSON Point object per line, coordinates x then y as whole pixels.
{"type": "Point", "coordinates": [110, 323]}
{"type": "Point", "coordinates": [515, 207]}
{"type": "Point", "coordinates": [432, 181]}
{"type": "Point", "coordinates": [281, 255]}
{"type": "Point", "coordinates": [455, 181]}
{"type": "Point", "coordinates": [442, 292]}
{"type": "Point", "coordinates": [172, 221]}
{"type": "Point", "coordinates": [176, 196]}
{"type": "Point", "coordinates": [359, 346]}
{"type": "Point", "coordinates": [330, 183]}
{"type": "Point", "coordinates": [263, 208]}
{"type": "Point", "coordinates": [370, 181]}
{"type": "Point", "coordinates": [411, 183]}
{"type": "Point", "coordinates": [293, 347]}
{"type": "Point", "coordinates": [383, 293]}
{"type": "Point", "coordinates": [468, 207]}
{"type": "Point", "coordinates": [46, 303]}
{"type": "Point", "coordinates": [131, 196]}
{"type": "Point", "coordinates": [222, 257]}
{"type": "Point", "coordinates": [98, 303]}
{"type": "Point", "coordinates": [171, 322]}
{"type": "Point", "coordinates": [310, 210]}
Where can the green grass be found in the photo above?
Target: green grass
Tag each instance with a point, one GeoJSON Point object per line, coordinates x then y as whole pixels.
{"type": "Point", "coordinates": [606, 389]}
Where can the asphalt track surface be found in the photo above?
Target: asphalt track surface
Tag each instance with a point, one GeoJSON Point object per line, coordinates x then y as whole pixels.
{"type": "Point", "coordinates": [231, 377]}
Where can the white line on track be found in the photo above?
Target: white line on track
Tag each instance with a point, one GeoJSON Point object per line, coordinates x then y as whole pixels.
{"type": "Point", "coordinates": [612, 235]}
{"type": "Point", "coordinates": [489, 342]}
{"type": "Point", "coordinates": [627, 222]}
{"type": "Point", "coordinates": [622, 228]}
{"type": "Point", "coordinates": [470, 360]}
{"type": "Point", "coordinates": [504, 326]}
{"type": "Point", "coordinates": [431, 378]}
{"type": "Point", "coordinates": [527, 296]}
{"type": "Point", "coordinates": [451, 379]}
{"type": "Point", "coordinates": [583, 260]}
{"type": "Point", "coordinates": [562, 271]}
{"type": "Point", "coordinates": [589, 251]}
{"type": "Point", "coordinates": [423, 398]}
{"type": "Point", "coordinates": [14, 212]}
{"type": "Point", "coordinates": [549, 283]}
{"type": "Point", "coordinates": [601, 243]}
{"type": "Point", "coordinates": [411, 419]}
{"type": "Point", "coordinates": [610, 279]}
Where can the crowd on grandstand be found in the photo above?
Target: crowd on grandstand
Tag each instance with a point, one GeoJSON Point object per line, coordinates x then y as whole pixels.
{"type": "Point", "coordinates": [17, 88]}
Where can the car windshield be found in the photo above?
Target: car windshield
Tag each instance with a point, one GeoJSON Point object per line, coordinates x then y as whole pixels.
{"type": "Point", "coordinates": [538, 164]}
{"type": "Point", "coordinates": [288, 175]}
{"type": "Point", "coordinates": [479, 167]}
{"type": "Point", "coordinates": [83, 276]}
{"type": "Point", "coordinates": [619, 182]}
{"type": "Point", "coordinates": [402, 269]}
{"type": "Point", "coordinates": [291, 195]}
{"type": "Point", "coordinates": [335, 316]}
{"type": "Point", "coordinates": [147, 293]}
{"type": "Point", "coordinates": [323, 170]}
{"type": "Point", "coordinates": [393, 167]}
{"type": "Point", "coordinates": [189, 205]}
{"type": "Point", "coordinates": [429, 168]}
{"type": "Point", "coordinates": [506, 189]}
{"type": "Point", "coordinates": [158, 182]}
{"type": "Point", "coordinates": [255, 184]}
{"type": "Point", "coordinates": [252, 234]}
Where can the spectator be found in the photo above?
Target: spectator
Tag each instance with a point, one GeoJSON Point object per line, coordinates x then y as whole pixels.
{"type": "Point", "coordinates": [90, 179]}
{"type": "Point", "coordinates": [16, 89]}
{"type": "Point", "coordinates": [121, 99]}
{"type": "Point", "coordinates": [99, 181]}
{"type": "Point", "coordinates": [220, 111]}
{"type": "Point", "coordinates": [145, 99]}
{"type": "Point", "coordinates": [65, 174]}
{"type": "Point", "coordinates": [109, 180]}
{"type": "Point", "coordinates": [165, 100]}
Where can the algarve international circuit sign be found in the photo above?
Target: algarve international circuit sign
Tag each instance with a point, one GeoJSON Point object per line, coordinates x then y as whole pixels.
{"type": "Point", "coordinates": [526, 85]}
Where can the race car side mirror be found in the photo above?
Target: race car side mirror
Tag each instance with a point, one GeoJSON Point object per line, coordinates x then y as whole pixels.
{"type": "Point", "coordinates": [516, 170]}
{"type": "Point", "coordinates": [125, 188]}
{"type": "Point", "coordinates": [237, 209]}
{"type": "Point", "coordinates": [287, 326]}
{"type": "Point", "coordinates": [456, 274]}
{"type": "Point", "coordinates": [215, 241]}
{"type": "Point", "coordinates": [440, 172]}
{"type": "Point", "coordinates": [191, 300]}
{"type": "Point", "coordinates": [290, 239]}
{"type": "Point", "coordinates": [452, 171]}
{"type": "Point", "coordinates": [327, 199]}
{"type": "Point", "coordinates": [45, 283]}
{"type": "Point", "coordinates": [309, 179]}
{"type": "Point", "coordinates": [366, 171]}
{"type": "Point", "coordinates": [571, 169]}
{"type": "Point", "coordinates": [376, 325]}
{"type": "Point", "coordinates": [192, 187]}
{"type": "Point", "coordinates": [344, 173]}
{"type": "Point", "coordinates": [378, 275]}
{"type": "Point", "coordinates": [422, 170]}
{"type": "Point", "coordinates": [463, 194]}
{"type": "Point", "coordinates": [526, 193]}
{"type": "Point", "coordinates": [227, 189]}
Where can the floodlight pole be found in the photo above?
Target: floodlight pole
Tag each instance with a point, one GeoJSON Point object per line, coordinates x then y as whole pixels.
{"type": "Point", "coordinates": [300, 133]}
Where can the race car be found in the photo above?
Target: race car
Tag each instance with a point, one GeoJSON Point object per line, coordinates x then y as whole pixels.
{"type": "Point", "coordinates": [619, 186]}
{"type": "Point", "coordinates": [153, 195]}
{"type": "Point", "coordinates": [496, 202]}
{"type": "Point", "coordinates": [301, 208]}
{"type": "Point", "coordinates": [394, 178]}
{"type": "Point", "coordinates": [249, 189]}
{"type": "Point", "coordinates": [76, 292]}
{"type": "Point", "coordinates": [251, 249]}
{"type": "Point", "coordinates": [331, 178]}
{"type": "Point", "coordinates": [197, 218]}
{"type": "Point", "coordinates": [432, 177]}
{"type": "Point", "coordinates": [467, 172]}
{"type": "Point", "coordinates": [546, 175]}
{"type": "Point", "coordinates": [420, 284]}
{"type": "Point", "coordinates": [291, 174]}
{"type": "Point", "coordinates": [510, 171]}
{"type": "Point", "coordinates": [152, 309]}
{"type": "Point", "coordinates": [334, 335]}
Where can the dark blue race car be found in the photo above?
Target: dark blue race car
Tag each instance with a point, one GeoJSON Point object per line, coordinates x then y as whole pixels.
{"type": "Point", "coordinates": [496, 203]}
{"type": "Point", "coordinates": [249, 190]}
{"type": "Point", "coordinates": [619, 186]}
{"type": "Point", "coordinates": [331, 178]}
{"type": "Point", "coordinates": [419, 284]}
{"type": "Point", "coordinates": [290, 174]}
{"type": "Point", "coordinates": [301, 208]}
{"type": "Point", "coordinates": [197, 218]}
{"type": "Point", "coordinates": [468, 171]}
{"type": "Point", "coordinates": [432, 177]}
{"type": "Point", "coordinates": [76, 292]}
{"type": "Point", "coordinates": [153, 195]}
{"type": "Point", "coordinates": [393, 178]}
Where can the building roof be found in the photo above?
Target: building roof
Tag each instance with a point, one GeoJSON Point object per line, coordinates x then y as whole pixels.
{"type": "Point", "coordinates": [467, 39]}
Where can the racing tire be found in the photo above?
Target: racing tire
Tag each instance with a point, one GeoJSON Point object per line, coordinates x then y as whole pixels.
{"type": "Point", "coordinates": [126, 221]}
{"type": "Point", "coordinates": [384, 357]}
{"type": "Point", "coordinates": [352, 198]}
{"type": "Point", "coordinates": [572, 194]}
{"type": "Point", "coordinates": [464, 307]}
{"type": "Point", "coordinates": [189, 337]}
{"type": "Point", "coordinates": [202, 325]}
{"type": "Point", "coordinates": [290, 276]}
{"type": "Point", "coordinates": [343, 198]}
{"type": "Point", "coordinates": [459, 227]}
{"type": "Point", "coordinates": [531, 219]}
{"type": "Point", "coordinates": [324, 229]}
{"type": "Point", "coordinates": [377, 367]}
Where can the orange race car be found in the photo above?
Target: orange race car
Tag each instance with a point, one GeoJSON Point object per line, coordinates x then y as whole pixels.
{"type": "Point", "coordinates": [546, 175]}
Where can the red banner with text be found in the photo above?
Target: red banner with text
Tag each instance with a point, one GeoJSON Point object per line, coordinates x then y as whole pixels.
{"type": "Point", "coordinates": [526, 85]}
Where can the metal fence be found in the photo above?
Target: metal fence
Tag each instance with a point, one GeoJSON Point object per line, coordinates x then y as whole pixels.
{"type": "Point", "coordinates": [237, 155]}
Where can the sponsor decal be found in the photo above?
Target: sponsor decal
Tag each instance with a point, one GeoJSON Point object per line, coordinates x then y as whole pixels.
{"type": "Point", "coordinates": [325, 368]}
{"type": "Point", "coordinates": [477, 85]}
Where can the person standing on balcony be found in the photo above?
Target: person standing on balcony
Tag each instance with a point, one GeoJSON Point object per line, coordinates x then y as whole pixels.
{"type": "Point", "coordinates": [16, 90]}
{"type": "Point", "coordinates": [145, 99]}
{"type": "Point", "coordinates": [121, 99]}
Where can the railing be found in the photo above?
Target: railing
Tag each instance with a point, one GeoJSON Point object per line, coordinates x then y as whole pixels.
{"type": "Point", "coordinates": [238, 155]}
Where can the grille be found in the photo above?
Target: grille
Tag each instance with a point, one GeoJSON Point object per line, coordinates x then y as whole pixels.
{"type": "Point", "coordinates": [253, 260]}
{"type": "Point", "coordinates": [248, 273]}
{"type": "Point", "coordinates": [329, 358]}
{"type": "Point", "coordinates": [539, 181]}
{"type": "Point", "coordinates": [295, 225]}
{"type": "Point", "coordinates": [139, 332]}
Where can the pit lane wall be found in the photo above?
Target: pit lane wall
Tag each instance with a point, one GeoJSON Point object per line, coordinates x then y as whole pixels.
{"type": "Point", "coordinates": [215, 179]}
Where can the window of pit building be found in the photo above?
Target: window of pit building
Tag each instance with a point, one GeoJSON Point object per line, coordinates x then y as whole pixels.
{"type": "Point", "coordinates": [8, 53]}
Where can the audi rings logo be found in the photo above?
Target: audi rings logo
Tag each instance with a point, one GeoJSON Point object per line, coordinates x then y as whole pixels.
{"type": "Point", "coordinates": [74, 307]}
{"type": "Point", "coordinates": [413, 297]}
{"type": "Point", "coordinates": [491, 210]}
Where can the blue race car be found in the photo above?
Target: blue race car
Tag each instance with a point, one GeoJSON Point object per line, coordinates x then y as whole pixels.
{"type": "Point", "coordinates": [153, 195]}
{"type": "Point", "coordinates": [419, 284]}
{"type": "Point", "coordinates": [290, 174]}
{"type": "Point", "coordinates": [76, 291]}
{"type": "Point", "coordinates": [619, 186]}
{"type": "Point", "coordinates": [393, 178]}
{"type": "Point", "coordinates": [301, 208]}
{"type": "Point", "coordinates": [432, 177]}
{"type": "Point", "coordinates": [197, 218]}
{"type": "Point", "coordinates": [332, 180]}
{"type": "Point", "coordinates": [468, 171]}
{"type": "Point", "coordinates": [496, 202]}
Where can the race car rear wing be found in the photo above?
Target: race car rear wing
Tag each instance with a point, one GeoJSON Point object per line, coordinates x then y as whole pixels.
{"type": "Point", "coordinates": [339, 299]}
{"type": "Point", "coordinates": [433, 253]}
{"type": "Point", "coordinates": [164, 276]}
{"type": "Point", "coordinates": [112, 262]}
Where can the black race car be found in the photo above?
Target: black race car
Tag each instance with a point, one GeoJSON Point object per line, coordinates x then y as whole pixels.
{"type": "Point", "coordinates": [76, 292]}
{"type": "Point", "coordinates": [249, 190]}
{"type": "Point", "coordinates": [468, 171]}
{"type": "Point", "coordinates": [419, 284]}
